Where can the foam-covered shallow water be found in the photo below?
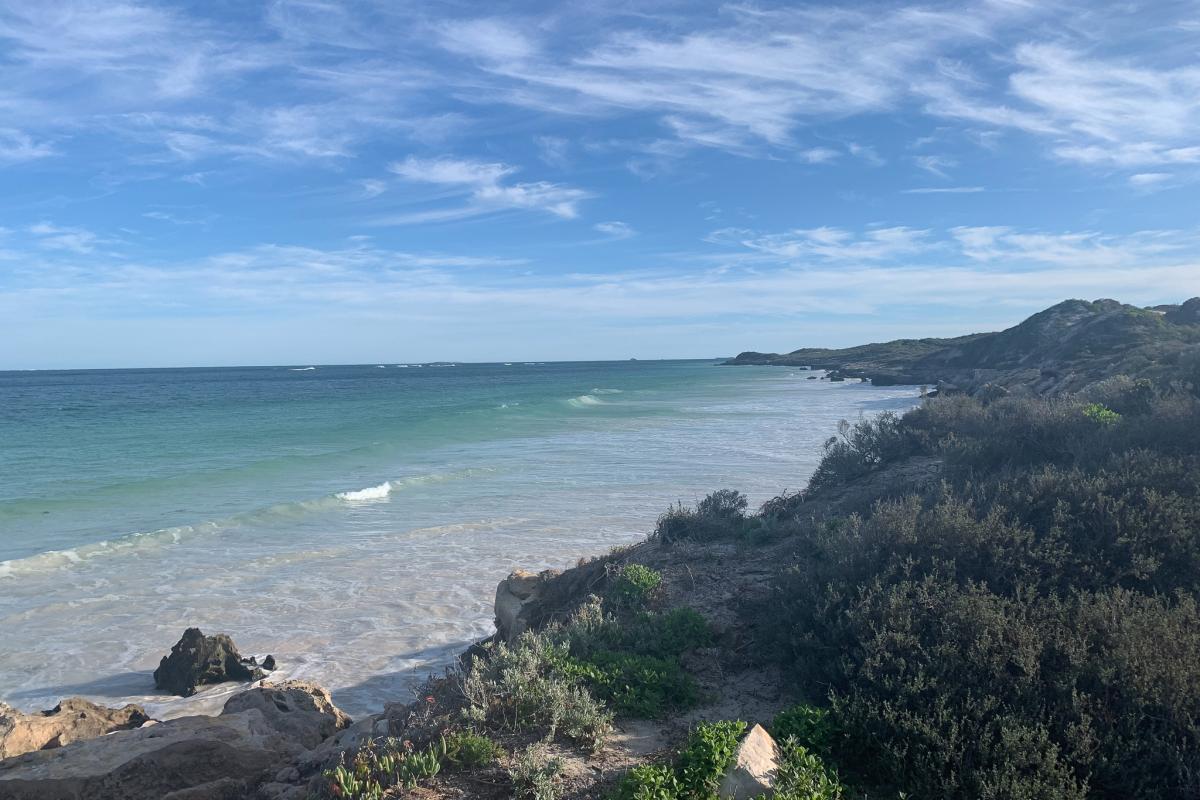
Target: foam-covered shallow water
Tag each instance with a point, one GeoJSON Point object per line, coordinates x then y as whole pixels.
{"type": "Point", "coordinates": [351, 521]}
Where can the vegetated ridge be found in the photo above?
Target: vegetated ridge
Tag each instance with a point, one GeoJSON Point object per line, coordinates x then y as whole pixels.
{"type": "Point", "coordinates": [1061, 349]}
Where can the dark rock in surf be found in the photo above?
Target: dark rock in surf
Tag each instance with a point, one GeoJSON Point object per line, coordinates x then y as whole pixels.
{"type": "Point", "coordinates": [269, 663]}
{"type": "Point", "coordinates": [197, 660]}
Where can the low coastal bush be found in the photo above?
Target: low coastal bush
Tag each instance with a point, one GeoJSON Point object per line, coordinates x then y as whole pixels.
{"type": "Point", "coordinates": [633, 586]}
{"type": "Point", "coordinates": [860, 448]}
{"type": "Point", "coordinates": [466, 750]}
{"type": "Point", "coordinates": [802, 775]}
{"type": "Point", "coordinates": [534, 775]}
{"type": "Point", "coordinates": [1029, 626]}
{"type": "Point", "coordinates": [809, 726]}
{"type": "Point", "coordinates": [722, 514]}
{"type": "Point", "coordinates": [633, 663]}
{"type": "Point", "coordinates": [523, 687]}
{"type": "Point", "coordinates": [707, 757]}
{"type": "Point", "coordinates": [568, 679]}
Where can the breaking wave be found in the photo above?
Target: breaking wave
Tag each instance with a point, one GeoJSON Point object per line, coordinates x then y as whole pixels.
{"type": "Point", "coordinates": [69, 557]}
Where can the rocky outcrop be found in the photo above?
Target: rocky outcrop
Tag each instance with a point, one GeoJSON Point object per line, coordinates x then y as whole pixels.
{"type": "Point", "coordinates": [527, 600]}
{"type": "Point", "coordinates": [513, 595]}
{"type": "Point", "coordinates": [754, 767]}
{"type": "Point", "coordinates": [71, 720]}
{"type": "Point", "coordinates": [301, 711]}
{"type": "Point", "coordinates": [196, 660]}
{"type": "Point", "coordinates": [259, 735]}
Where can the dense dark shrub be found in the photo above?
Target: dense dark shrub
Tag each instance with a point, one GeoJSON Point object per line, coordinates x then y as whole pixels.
{"type": "Point", "coordinates": [860, 448]}
{"type": "Point", "coordinates": [721, 514]}
{"type": "Point", "coordinates": [1027, 628]}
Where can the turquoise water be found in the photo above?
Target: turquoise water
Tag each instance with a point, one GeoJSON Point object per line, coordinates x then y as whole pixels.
{"type": "Point", "coordinates": [351, 520]}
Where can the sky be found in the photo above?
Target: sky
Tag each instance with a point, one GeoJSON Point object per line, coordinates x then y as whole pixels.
{"type": "Point", "coordinates": [314, 181]}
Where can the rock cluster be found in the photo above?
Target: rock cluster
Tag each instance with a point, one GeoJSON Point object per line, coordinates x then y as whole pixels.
{"type": "Point", "coordinates": [71, 720]}
{"type": "Point", "coordinates": [196, 660]}
{"type": "Point", "coordinates": [259, 735]}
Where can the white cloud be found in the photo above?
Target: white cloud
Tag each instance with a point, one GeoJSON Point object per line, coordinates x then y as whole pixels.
{"type": "Point", "coordinates": [75, 240]}
{"type": "Point", "coordinates": [553, 151]}
{"type": "Point", "coordinates": [746, 81]}
{"type": "Point", "coordinates": [17, 146]}
{"type": "Point", "coordinates": [867, 153]}
{"type": "Point", "coordinates": [372, 187]}
{"type": "Point", "coordinates": [489, 39]}
{"type": "Point", "coordinates": [1076, 250]}
{"type": "Point", "coordinates": [615, 229]}
{"type": "Point", "coordinates": [462, 172]}
{"type": "Point", "coordinates": [1094, 109]}
{"type": "Point", "coordinates": [819, 155]}
{"type": "Point", "coordinates": [1146, 180]}
{"type": "Point", "coordinates": [935, 164]}
{"type": "Point", "coordinates": [830, 244]}
{"type": "Point", "coordinates": [484, 183]}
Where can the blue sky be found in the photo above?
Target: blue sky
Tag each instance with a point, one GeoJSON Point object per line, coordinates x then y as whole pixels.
{"type": "Point", "coordinates": [232, 182]}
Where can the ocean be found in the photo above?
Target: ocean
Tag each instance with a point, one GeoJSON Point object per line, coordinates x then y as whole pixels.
{"type": "Point", "coordinates": [353, 521]}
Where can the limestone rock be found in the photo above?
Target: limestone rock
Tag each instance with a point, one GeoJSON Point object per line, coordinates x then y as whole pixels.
{"type": "Point", "coordinates": [513, 595]}
{"type": "Point", "coordinates": [197, 659]}
{"type": "Point", "coordinates": [754, 767]}
{"type": "Point", "coordinates": [303, 712]}
{"type": "Point", "coordinates": [71, 720]}
{"type": "Point", "coordinates": [190, 757]}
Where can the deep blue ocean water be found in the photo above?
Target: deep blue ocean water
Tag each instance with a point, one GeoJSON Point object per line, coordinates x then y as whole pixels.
{"type": "Point", "coordinates": [351, 520]}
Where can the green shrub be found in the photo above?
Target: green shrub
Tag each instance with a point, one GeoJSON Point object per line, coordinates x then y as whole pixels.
{"type": "Point", "coordinates": [523, 687]}
{"type": "Point", "coordinates": [720, 515]}
{"type": "Point", "coordinates": [648, 782]}
{"type": "Point", "coordinates": [634, 663]}
{"type": "Point", "coordinates": [708, 755]}
{"type": "Point", "coordinates": [1101, 414]}
{"type": "Point", "coordinates": [810, 726]}
{"type": "Point", "coordinates": [728, 504]}
{"type": "Point", "coordinates": [803, 776]}
{"type": "Point", "coordinates": [636, 685]}
{"type": "Point", "coordinates": [633, 586]}
{"type": "Point", "coordinates": [861, 448]}
{"type": "Point", "coordinates": [534, 776]}
{"type": "Point", "coordinates": [466, 750]}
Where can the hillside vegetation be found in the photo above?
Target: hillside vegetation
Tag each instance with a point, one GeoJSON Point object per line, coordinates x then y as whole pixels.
{"type": "Point", "coordinates": [1062, 349]}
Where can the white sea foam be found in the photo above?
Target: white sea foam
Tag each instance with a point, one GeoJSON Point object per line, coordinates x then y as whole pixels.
{"type": "Point", "coordinates": [585, 400]}
{"type": "Point", "coordinates": [606, 391]}
{"type": "Point", "coordinates": [301, 369]}
{"type": "Point", "coordinates": [379, 492]}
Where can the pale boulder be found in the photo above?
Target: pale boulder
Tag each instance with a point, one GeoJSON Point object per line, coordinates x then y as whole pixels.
{"type": "Point", "coordinates": [754, 769]}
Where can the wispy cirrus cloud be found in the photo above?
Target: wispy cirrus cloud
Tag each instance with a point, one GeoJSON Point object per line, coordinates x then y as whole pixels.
{"type": "Point", "coordinates": [487, 190]}
{"type": "Point", "coordinates": [615, 229]}
{"type": "Point", "coordinates": [829, 244]}
{"type": "Point", "coordinates": [17, 147]}
{"type": "Point", "coordinates": [1097, 110]}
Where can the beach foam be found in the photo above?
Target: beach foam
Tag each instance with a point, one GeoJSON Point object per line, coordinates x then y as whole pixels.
{"type": "Point", "coordinates": [379, 492]}
{"type": "Point", "coordinates": [585, 400]}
